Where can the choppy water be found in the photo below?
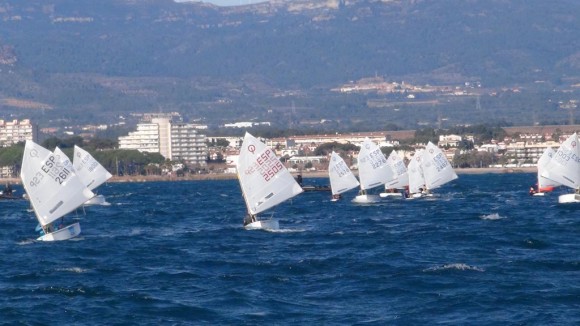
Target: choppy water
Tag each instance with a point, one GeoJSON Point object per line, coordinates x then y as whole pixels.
{"type": "Point", "coordinates": [482, 252]}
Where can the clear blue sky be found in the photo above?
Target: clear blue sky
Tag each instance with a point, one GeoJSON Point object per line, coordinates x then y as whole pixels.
{"type": "Point", "coordinates": [226, 2]}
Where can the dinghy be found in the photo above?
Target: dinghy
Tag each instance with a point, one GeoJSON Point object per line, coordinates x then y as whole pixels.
{"type": "Point", "coordinates": [91, 173]}
{"type": "Point", "coordinates": [564, 168]}
{"type": "Point", "coordinates": [436, 168]}
{"type": "Point", "coordinates": [53, 189]}
{"type": "Point", "coordinates": [373, 171]}
{"type": "Point", "coordinates": [416, 177]}
{"type": "Point", "coordinates": [544, 184]}
{"type": "Point", "coordinates": [264, 180]}
{"type": "Point", "coordinates": [341, 177]}
{"type": "Point", "coordinates": [396, 187]}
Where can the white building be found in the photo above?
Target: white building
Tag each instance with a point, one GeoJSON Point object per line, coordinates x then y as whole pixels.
{"type": "Point", "coordinates": [174, 141]}
{"type": "Point", "coordinates": [12, 132]}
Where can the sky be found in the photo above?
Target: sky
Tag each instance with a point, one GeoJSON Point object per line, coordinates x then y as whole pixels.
{"type": "Point", "coordinates": [226, 2]}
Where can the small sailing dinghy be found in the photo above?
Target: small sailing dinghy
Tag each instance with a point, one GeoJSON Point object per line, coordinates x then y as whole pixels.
{"type": "Point", "coordinates": [436, 168]}
{"type": "Point", "coordinates": [564, 168]}
{"type": "Point", "coordinates": [341, 177]}
{"type": "Point", "coordinates": [264, 180]}
{"type": "Point", "coordinates": [53, 189]}
{"type": "Point", "coordinates": [416, 177]}
{"type": "Point", "coordinates": [544, 184]}
{"type": "Point", "coordinates": [373, 171]}
{"type": "Point", "coordinates": [395, 188]}
{"type": "Point", "coordinates": [91, 173]}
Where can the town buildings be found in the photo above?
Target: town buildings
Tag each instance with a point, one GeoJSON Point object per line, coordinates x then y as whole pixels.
{"type": "Point", "coordinates": [176, 141]}
{"type": "Point", "coordinates": [12, 132]}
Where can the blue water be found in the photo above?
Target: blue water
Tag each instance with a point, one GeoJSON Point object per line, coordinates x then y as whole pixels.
{"type": "Point", "coordinates": [482, 252]}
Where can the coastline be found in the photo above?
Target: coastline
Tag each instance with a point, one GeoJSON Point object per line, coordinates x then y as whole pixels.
{"type": "Point", "coordinates": [305, 174]}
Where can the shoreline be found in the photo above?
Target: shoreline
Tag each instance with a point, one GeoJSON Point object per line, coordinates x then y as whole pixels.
{"type": "Point", "coordinates": [309, 174]}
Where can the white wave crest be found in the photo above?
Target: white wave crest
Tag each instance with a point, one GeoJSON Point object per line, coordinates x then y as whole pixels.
{"type": "Point", "coordinates": [494, 216]}
{"type": "Point", "coordinates": [456, 266]}
{"type": "Point", "coordinates": [73, 270]}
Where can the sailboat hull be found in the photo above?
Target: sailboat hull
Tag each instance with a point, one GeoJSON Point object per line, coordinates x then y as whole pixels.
{"type": "Point", "coordinates": [97, 200]}
{"type": "Point", "coordinates": [366, 199]}
{"type": "Point", "coordinates": [569, 198]}
{"type": "Point", "coordinates": [66, 233]}
{"type": "Point", "coordinates": [391, 195]}
{"type": "Point", "coordinates": [263, 225]}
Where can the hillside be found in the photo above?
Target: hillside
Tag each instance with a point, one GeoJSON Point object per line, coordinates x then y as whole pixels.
{"type": "Point", "coordinates": [279, 61]}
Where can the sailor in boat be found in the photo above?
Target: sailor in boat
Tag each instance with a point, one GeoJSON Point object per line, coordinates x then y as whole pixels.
{"type": "Point", "coordinates": [336, 196]}
{"type": "Point", "coordinates": [532, 191]}
{"type": "Point", "coordinates": [362, 192]}
{"type": "Point", "coordinates": [249, 219]}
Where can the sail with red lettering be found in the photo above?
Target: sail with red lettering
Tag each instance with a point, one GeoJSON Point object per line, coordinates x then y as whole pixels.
{"type": "Point", "coordinates": [564, 167]}
{"type": "Point", "coordinates": [264, 180]}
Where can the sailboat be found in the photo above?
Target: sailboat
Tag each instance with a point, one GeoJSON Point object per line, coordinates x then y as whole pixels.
{"type": "Point", "coordinates": [264, 180]}
{"type": "Point", "coordinates": [91, 173]}
{"type": "Point", "coordinates": [544, 184]}
{"type": "Point", "coordinates": [416, 177]}
{"type": "Point", "coordinates": [53, 189]}
{"type": "Point", "coordinates": [341, 177]}
{"type": "Point", "coordinates": [401, 176]}
{"type": "Point", "coordinates": [436, 168]}
{"type": "Point", "coordinates": [564, 168]}
{"type": "Point", "coordinates": [373, 171]}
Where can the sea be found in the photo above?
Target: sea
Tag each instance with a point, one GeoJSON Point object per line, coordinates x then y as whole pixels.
{"type": "Point", "coordinates": [480, 252]}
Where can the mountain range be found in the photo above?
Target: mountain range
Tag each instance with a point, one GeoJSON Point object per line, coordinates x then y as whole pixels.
{"type": "Point", "coordinates": [82, 61]}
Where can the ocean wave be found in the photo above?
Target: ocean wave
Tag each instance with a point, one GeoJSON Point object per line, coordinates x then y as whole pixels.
{"type": "Point", "coordinates": [455, 266]}
{"type": "Point", "coordinates": [493, 216]}
{"type": "Point", "coordinates": [72, 270]}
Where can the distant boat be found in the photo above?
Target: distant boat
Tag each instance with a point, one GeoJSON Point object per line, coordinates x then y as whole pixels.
{"type": "Point", "coordinates": [544, 184]}
{"type": "Point", "coordinates": [264, 180]}
{"type": "Point", "coordinates": [341, 177]}
{"type": "Point", "coordinates": [396, 187]}
{"type": "Point", "coordinates": [416, 177]}
{"type": "Point", "coordinates": [436, 168]}
{"type": "Point", "coordinates": [53, 189]}
{"type": "Point", "coordinates": [564, 168]}
{"type": "Point", "coordinates": [373, 171]}
{"type": "Point", "coordinates": [91, 173]}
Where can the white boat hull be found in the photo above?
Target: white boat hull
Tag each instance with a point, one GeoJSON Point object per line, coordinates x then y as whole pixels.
{"type": "Point", "coordinates": [366, 199]}
{"type": "Point", "coordinates": [391, 195]}
{"type": "Point", "coordinates": [97, 200]}
{"type": "Point", "coordinates": [539, 194]}
{"type": "Point", "coordinates": [569, 198]}
{"type": "Point", "coordinates": [66, 233]}
{"type": "Point", "coordinates": [263, 225]}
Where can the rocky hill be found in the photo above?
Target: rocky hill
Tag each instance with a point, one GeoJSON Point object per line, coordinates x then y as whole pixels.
{"type": "Point", "coordinates": [97, 59]}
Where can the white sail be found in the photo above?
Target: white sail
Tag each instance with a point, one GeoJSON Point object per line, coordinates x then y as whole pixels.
{"type": "Point", "coordinates": [399, 170]}
{"type": "Point", "coordinates": [341, 177]}
{"type": "Point", "coordinates": [89, 170]}
{"type": "Point", "coordinates": [264, 180]}
{"type": "Point", "coordinates": [541, 165]}
{"type": "Point", "coordinates": [373, 169]}
{"type": "Point", "coordinates": [564, 167]}
{"type": "Point", "coordinates": [52, 187]}
{"type": "Point", "coordinates": [436, 168]}
{"type": "Point", "coordinates": [415, 172]}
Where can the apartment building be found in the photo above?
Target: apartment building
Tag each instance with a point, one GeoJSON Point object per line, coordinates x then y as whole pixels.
{"type": "Point", "coordinates": [174, 141]}
{"type": "Point", "coordinates": [12, 132]}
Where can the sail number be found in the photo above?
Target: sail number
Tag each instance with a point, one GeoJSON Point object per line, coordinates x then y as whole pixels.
{"type": "Point", "coordinates": [341, 169]}
{"type": "Point", "coordinates": [563, 156]}
{"type": "Point", "coordinates": [90, 167]}
{"type": "Point", "coordinates": [440, 162]}
{"type": "Point", "coordinates": [54, 169]}
{"type": "Point", "coordinates": [377, 159]}
{"type": "Point", "coordinates": [266, 164]}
